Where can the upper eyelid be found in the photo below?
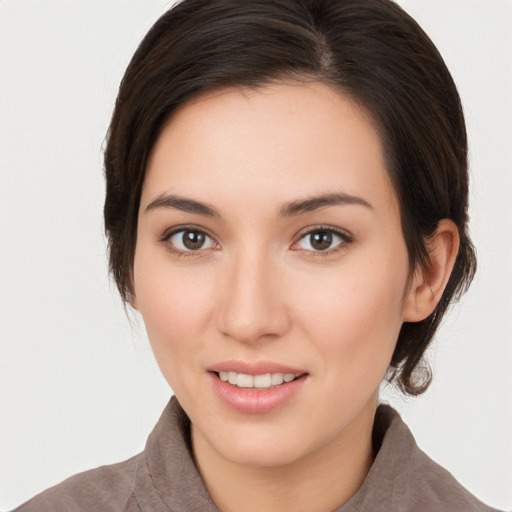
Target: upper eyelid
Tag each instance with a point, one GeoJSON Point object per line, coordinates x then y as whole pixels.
{"type": "Point", "coordinates": [321, 227]}
{"type": "Point", "coordinates": [346, 239]}
{"type": "Point", "coordinates": [176, 229]}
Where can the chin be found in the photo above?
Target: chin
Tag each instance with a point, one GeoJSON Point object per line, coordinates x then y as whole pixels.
{"type": "Point", "coordinates": [263, 456]}
{"type": "Point", "coordinates": [263, 447]}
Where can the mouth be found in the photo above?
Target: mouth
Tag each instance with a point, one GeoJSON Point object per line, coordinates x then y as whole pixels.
{"type": "Point", "coordinates": [262, 381]}
{"type": "Point", "coordinates": [256, 388]}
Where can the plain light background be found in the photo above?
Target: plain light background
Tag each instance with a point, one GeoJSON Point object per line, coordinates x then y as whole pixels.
{"type": "Point", "coordinates": [78, 386]}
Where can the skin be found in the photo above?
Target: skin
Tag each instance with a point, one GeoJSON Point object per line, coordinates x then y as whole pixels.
{"type": "Point", "coordinates": [258, 290]}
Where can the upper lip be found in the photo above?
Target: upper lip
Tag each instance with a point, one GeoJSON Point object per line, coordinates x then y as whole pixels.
{"type": "Point", "coordinates": [254, 367]}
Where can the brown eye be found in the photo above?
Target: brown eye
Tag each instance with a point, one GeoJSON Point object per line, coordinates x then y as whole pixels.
{"type": "Point", "coordinates": [193, 240]}
{"type": "Point", "coordinates": [187, 240]}
{"type": "Point", "coordinates": [322, 240]}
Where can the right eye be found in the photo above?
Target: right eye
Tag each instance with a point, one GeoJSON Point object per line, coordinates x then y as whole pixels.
{"type": "Point", "coordinates": [188, 240]}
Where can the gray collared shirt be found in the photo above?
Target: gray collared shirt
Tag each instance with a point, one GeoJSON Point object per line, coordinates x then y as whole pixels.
{"type": "Point", "coordinates": [164, 478]}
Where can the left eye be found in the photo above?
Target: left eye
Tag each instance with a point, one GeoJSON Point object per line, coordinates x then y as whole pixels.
{"type": "Point", "coordinates": [321, 240]}
{"type": "Point", "coordinates": [188, 240]}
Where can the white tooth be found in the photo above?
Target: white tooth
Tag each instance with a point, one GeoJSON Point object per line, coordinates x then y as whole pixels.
{"type": "Point", "coordinates": [288, 377]}
{"type": "Point", "coordinates": [244, 381]}
{"type": "Point", "coordinates": [277, 379]}
{"type": "Point", "coordinates": [232, 378]}
{"type": "Point", "coordinates": [223, 376]}
{"type": "Point", "coordinates": [262, 381]}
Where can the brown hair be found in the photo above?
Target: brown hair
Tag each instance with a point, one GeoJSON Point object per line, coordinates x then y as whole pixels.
{"type": "Point", "coordinates": [369, 49]}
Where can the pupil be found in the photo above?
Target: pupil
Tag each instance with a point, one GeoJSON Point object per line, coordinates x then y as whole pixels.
{"type": "Point", "coordinates": [193, 240]}
{"type": "Point", "coordinates": [322, 240]}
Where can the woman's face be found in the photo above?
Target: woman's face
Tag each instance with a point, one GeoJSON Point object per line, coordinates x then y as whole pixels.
{"type": "Point", "coordinates": [269, 244]}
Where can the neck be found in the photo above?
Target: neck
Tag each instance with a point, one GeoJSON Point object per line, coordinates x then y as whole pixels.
{"type": "Point", "coordinates": [322, 480]}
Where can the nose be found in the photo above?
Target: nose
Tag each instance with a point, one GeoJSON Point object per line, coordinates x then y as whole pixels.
{"type": "Point", "coordinates": [251, 305]}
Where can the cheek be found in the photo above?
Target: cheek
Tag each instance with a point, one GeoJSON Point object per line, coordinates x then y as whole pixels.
{"type": "Point", "coordinates": [176, 304]}
{"type": "Point", "coordinates": [354, 315]}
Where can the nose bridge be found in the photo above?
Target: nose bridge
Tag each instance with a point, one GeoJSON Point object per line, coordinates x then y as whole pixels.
{"type": "Point", "coordinates": [252, 305]}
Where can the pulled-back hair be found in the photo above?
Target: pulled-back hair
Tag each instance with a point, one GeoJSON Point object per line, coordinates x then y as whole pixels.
{"type": "Point", "coordinates": [370, 50]}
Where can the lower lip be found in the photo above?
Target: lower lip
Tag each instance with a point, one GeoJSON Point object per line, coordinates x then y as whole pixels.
{"type": "Point", "coordinates": [253, 400]}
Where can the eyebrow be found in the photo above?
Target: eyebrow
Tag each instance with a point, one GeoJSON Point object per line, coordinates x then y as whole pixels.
{"type": "Point", "coordinates": [310, 204]}
{"type": "Point", "coordinates": [184, 204]}
{"type": "Point", "coordinates": [290, 209]}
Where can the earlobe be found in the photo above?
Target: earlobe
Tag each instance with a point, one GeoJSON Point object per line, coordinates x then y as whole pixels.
{"type": "Point", "coordinates": [132, 298]}
{"type": "Point", "coordinates": [130, 292]}
{"type": "Point", "coordinates": [428, 284]}
{"type": "Point", "coordinates": [133, 302]}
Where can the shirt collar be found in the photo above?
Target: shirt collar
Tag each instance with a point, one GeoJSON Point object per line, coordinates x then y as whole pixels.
{"type": "Point", "coordinates": [167, 478]}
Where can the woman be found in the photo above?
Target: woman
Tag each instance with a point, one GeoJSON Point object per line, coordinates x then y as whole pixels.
{"type": "Point", "coordinates": [287, 208]}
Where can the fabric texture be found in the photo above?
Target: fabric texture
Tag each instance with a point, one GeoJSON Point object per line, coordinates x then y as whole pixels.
{"type": "Point", "coordinates": [164, 478]}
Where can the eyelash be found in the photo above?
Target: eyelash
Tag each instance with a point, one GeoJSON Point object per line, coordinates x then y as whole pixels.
{"type": "Point", "coordinates": [182, 229]}
{"type": "Point", "coordinates": [346, 239]}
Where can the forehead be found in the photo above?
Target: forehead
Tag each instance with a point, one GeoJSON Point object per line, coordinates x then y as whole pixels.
{"type": "Point", "coordinates": [279, 141]}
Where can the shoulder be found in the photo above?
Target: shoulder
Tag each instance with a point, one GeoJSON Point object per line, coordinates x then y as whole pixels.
{"type": "Point", "coordinates": [162, 477]}
{"type": "Point", "coordinates": [404, 478]}
{"type": "Point", "coordinates": [107, 488]}
{"type": "Point", "coordinates": [431, 487]}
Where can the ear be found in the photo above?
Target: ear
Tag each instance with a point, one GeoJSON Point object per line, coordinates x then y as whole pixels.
{"type": "Point", "coordinates": [428, 284]}
{"type": "Point", "coordinates": [133, 301]}
{"type": "Point", "coordinates": [131, 295]}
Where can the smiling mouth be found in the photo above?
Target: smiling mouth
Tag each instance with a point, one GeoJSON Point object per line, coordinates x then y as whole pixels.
{"type": "Point", "coordinates": [265, 381]}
